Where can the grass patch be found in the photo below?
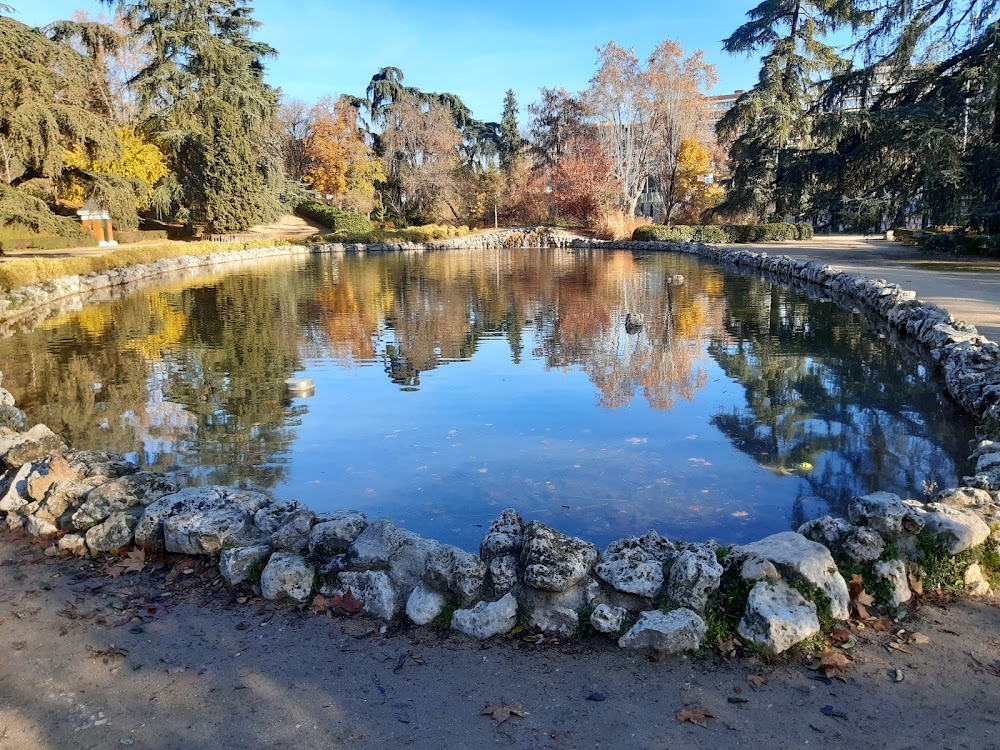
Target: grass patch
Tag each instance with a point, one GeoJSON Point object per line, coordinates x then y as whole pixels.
{"type": "Point", "coordinates": [426, 233]}
{"type": "Point", "coordinates": [726, 606]}
{"type": "Point", "coordinates": [945, 572]}
{"type": "Point", "coordinates": [813, 593]}
{"type": "Point", "coordinates": [443, 619]}
{"type": "Point", "coordinates": [21, 272]}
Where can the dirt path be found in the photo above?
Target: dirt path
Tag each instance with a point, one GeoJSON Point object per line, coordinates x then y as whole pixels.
{"type": "Point", "coordinates": [174, 663]}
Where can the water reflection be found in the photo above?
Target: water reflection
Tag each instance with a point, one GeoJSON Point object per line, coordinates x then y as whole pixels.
{"type": "Point", "coordinates": [602, 392]}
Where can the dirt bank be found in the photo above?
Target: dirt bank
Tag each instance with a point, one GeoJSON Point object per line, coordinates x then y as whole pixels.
{"type": "Point", "coordinates": [166, 659]}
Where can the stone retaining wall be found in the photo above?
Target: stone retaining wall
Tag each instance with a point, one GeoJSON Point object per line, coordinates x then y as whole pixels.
{"type": "Point", "coordinates": [648, 591]}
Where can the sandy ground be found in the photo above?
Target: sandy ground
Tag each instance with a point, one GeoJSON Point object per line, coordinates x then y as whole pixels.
{"type": "Point", "coordinates": [164, 660]}
{"type": "Point", "coordinates": [161, 660]}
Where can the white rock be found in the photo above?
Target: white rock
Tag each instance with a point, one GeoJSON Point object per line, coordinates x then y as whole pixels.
{"type": "Point", "coordinates": [117, 495]}
{"type": "Point", "coordinates": [373, 588]}
{"type": "Point", "coordinates": [113, 533]}
{"type": "Point", "coordinates": [19, 449]}
{"type": "Point", "coordinates": [777, 617]}
{"type": "Point", "coordinates": [755, 569]}
{"type": "Point", "coordinates": [675, 632]}
{"type": "Point", "coordinates": [287, 574]}
{"type": "Point", "coordinates": [553, 561]}
{"type": "Point", "coordinates": [16, 495]}
{"type": "Point", "coordinates": [864, 545]}
{"type": "Point", "coordinates": [194, 500]}
{"type": "Point", "coordinates": [608, 619]}
{"type": "Point", "coordinates": [424, 604]}
{"type": "Point", "coordinates": [894, 572]}
{"type": "Point", "coordinates": [503, 574]}
{"type": "Point", "coordinates": [203, 533]}
{"type": "Point", "coordinates": [457, 571]}
{"type": "Point", "coordinates": [293, 533]}
{"type": "Point", "coordinates": [73, 543]}
{"type": "Point", "coordinates": [335, 532]}
{"type": "Point", "coordinates": [959, 529]}
{"type": "Point", "coordinates": [487, 619]}
{"type": "Point", "coordinates": [826, 530]}
{"type": "Point", "coordinates": [634, 565]}
{"type": "Point", "coordinates": [695, 574]}
{"type": "Point", "coordinates": [504, 536]}
{"type": "Point", "coordinates": [966, 497]}
{"type": "Point", "coordinates": [975, 582]}
{"type": "Point", "coordinates": [797, 558]}
{"type": "Point", "coordinates": [558, 620]}
{"type": "Point", "coordinates": [39, 526]}
{"type": "Point", "coordinates": [238, 564]}
{"type": "Point", "coordinates": [885, 512]}
{"type": "Point", "coordinates": [383, 544]}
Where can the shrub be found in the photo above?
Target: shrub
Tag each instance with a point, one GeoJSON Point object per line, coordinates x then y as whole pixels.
{"type": "Point", "coordinates": [713, 234]}
{"type": "Point", "coordinates": [803, 231]}
{"type": "Point", "coordinates": [140, 235]}
{"type": "Point", "coordinates": [663, 233]}
{"type": "Point", "coordinates": [45, 242]}
{"type": "Point", "coordinates": [349, 222]}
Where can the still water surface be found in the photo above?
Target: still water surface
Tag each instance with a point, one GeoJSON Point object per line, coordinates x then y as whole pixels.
{"type": "Point", "coordinates": [452, 385]}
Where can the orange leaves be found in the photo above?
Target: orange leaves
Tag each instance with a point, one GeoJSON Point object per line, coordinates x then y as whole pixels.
{"type": "Point", "coordinates": [340, 160]}
{"type": "Point", "coordinates": [860, 599]}
{"type": "Point", "coordinates": [500, 712]}
{"type": "Point", "coordinates": [696, 715]}
{"type": "Point", "coordinates": [345, 604]}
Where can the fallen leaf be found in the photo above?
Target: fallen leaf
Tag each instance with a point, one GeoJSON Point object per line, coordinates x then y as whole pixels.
{"type": "Point", "coordinates": [503, 711]}
{"type": "Point", "coordinates": [840, 634]}
{"type": "Point", "coordinates": [916, 585]}
{"type": "Point", "coordinates": [900, 647]}
{"type": "Point", "coordinates": [696, 715]}
{"type": "Point", "coordinates": [833, 663]}
{"type": "Point", "coordinates": [883, 625]}
{"type": "Point", "coordinates": [345, 603]}
{"type": "Point", "coordinates": [756, 680]}
{"type": "Point", "coordinates": [134, 562]}
{"type": "Point", "coordinates": [319, 604]}
{"type": "Point", "coordinates": [919, 638]}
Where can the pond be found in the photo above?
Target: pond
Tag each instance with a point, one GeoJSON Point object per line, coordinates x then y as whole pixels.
{"type": "Point", "coordinates": [601, 392]}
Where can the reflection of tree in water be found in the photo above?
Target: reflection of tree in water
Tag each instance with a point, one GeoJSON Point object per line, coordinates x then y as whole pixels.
{"type": "Point", "coordinates": [424, 311]}
{"type": "Point", "coordinates": [822, 389]}
{"type": "Point", "coordinates": [112, 377]}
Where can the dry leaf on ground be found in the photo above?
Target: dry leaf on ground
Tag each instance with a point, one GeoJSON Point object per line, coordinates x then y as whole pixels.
{"type": "Point", "coordinates": [696, 715]}
{"type": "Point", "coordinates": [832, 663]}
{"type": "Point", "coordinates": [503, 711]}
{"type": "Point", "coordinates": [346, 603]}
{"type": "Point", "coordinates": [756, 680]}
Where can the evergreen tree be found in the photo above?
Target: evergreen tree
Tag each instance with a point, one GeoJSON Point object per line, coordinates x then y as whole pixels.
{"type": "Point", "coordinates": [772, 121]}
{"type": "Point", "coordinates": [510, 136]}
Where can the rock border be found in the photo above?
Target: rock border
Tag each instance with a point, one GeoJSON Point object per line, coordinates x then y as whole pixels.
{"type": "Point", "coordinates": [650, 592]}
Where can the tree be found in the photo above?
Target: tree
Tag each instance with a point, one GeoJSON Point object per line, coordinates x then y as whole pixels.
{"type": "Point", "coordinates": [341, 164]}
{"type": "Point", "coordinates": [769, 123]}
{"type": "Point", "coordinates": [204, 91]}
{"type": "Point", "coordinates": [555, 120]}
{"type": "Point", "coordinates": [510, 136]}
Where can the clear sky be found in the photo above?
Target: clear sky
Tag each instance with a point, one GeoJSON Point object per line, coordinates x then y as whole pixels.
{"type": "Point", "coordinates": [473, 49]}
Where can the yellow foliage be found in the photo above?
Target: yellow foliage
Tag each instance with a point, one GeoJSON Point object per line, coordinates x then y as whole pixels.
{"type": "Point", "coordinates": [696, 195]}
{"type": "Point", "coordinates": [140, 160]}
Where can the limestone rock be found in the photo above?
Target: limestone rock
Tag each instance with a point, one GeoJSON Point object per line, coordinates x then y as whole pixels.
{"type": "Point", "coordinates": [239, 563]}
{"type": "Point", "coordinates": [287, 574]}
{"type": "Point", "coordinates": [695, 574]}
{"type": "Point", "coordinates": [975, 582]}
{"type": "Point", "coordinates": [454, 570]}
{"type": "Point", "coordinates": [45, 473]}
{"type": "Point", "coordinates": [19, 449]}
{"type": "Point", "coordinates": [634, 565]}
{"type": "Point", "coordinates": [958, 528]}
{"type": "Point", "coordinates": [424, 604]}
{"type": "Point", "coordinates": [886, 513]}
{"type": "Point", "coordinates": [894, 572]}
{"type": "Point", "coordinates": [798, 558]}
{"type": "Point", "coordinates": [505, 536]}
{"type": "Point", "coordinates": [675, 632]}
{"type": "Point", "coordinates": [293, 533]}
{"type": "Point", "coordinates": [74, 544]}
{"type": "Point", "coordinates": [561, 621]}
{"type": "Point", "coordinates": [336, 532]}
{"type": "Point", "coordinates": [383, 544]}
{"type": "Point", "coordinates": [826, 530]}
{"type": "Point", "coordinates": [113, 533]}
{"type": "Point", "coordinates": [777, 617]}
{"type": "Point", "coordinates": [966, 497]}
{"type": "Point", "coordinates": [608, 619]}
{"type": "Point", "coordinates": [40, 526]}
{"type": "Point", "coordinates": [15, 494]}
{"type": "Point", "coordinates": [89, 464]}
{"type": "Point", "coordinates": [194, 500]}
{"type": "Point", "coordinates": [864, 545]}
{"type": "Point", "coordinates": [502, 574]}
{"type": "Point", "coordinates": [202, 533]}
{"type": "Point", "coordinates": [272, 516]}
{"type": "Point", "coordinates": [373, 588]}
{"type": "Point", "coordinates": [487, 619]}
{"type": "Point", "coordinates": [553, 561]}
{"type": "Point", "coordinates": [6, 397]}
{"type": "Point", "coordinates": [755, 569]}
{"type": "Point", "coordinates": [12, 418]}
{"type": "Point", "coordinates": [121, 494]}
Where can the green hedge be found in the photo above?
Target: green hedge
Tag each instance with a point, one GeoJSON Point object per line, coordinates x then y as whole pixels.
{"type": "Point", "coordinates": [958, 243]}
{"type": "Point", "coordinates": [723, 233]}
{"type": "Point", "coordinates": [45, 242]}
{"type": "Point", "coordinates": [339, 221]}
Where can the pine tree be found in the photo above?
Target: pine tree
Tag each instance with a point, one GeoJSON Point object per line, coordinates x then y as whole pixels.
{"type": "Point", "coordinates": [510, 136]}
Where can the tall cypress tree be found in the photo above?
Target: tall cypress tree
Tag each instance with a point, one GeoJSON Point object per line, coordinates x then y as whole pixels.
{"type": "Point", "coordinates": [510, 135]}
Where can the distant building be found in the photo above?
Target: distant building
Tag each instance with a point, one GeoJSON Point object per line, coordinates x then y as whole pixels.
{"type": "Point", "coordinates": [720, 104]}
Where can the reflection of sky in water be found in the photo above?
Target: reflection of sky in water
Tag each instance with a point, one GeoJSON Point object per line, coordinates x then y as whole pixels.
{"type": "Point", "coordinates": [443, 450]}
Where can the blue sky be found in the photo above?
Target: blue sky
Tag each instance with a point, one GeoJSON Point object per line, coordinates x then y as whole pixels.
{"type": "Point", "coordinates": [472, 49]}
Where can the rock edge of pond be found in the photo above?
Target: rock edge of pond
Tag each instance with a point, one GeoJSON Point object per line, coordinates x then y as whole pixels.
{"type": "Point", "coordinates": [647, 591]}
